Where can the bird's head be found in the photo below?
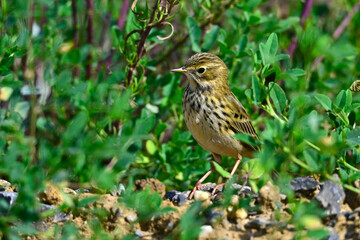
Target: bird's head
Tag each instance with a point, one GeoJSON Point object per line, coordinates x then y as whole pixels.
{"type": "Point", "coordinates": [204, 71]}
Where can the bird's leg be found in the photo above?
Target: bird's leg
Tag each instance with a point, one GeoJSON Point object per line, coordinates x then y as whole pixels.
{"type": "Point", "coordinates": [197, 186]}
{"type": "Point", "coordinates": [231, 173]}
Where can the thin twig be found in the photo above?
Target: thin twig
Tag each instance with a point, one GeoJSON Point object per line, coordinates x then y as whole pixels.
{"type": "Point", "coordinates": [123, 14]}
{"type": "Point", "coordinates": [121, 24]}
{"type": "Point", "coordinates": [90, 35]}
{"type": "Point", "coordinates": [209, 21]}
{"type": "Point", "coordinates": [76, 33]}
{"type": "Point", "coordinates": [304, 14]}
{"type": "Point", "coordinates": [143, 36]}
{"type": "Point", "coordinates": [345, 22]}
{"type": "Point", "coordinates": [338, 31]}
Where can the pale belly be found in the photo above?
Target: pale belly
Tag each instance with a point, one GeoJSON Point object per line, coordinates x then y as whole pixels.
{"type": "Point", "coordinates": [210, 138]}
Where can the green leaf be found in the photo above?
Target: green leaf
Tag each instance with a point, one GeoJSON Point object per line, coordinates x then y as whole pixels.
{"type": "Point", "coordinates": [87, 200]}
{"type": "Point", "coordinates": [256, 90]}
{"type": "Point", "coordinates": [324, 101]}
{"type": "Point", "coordinates": [281, 57]}
{"type": "Point", "coordinates": [254, 167]}
{"type": "Point", "coordinates": [194, 33]}
{"type": "Point", "coordinates": [353, 137]}
{"type": "Point", "coordinates": [309, 156]}
{"type": "Point", "coordinates": [5, 93]}
{"type": "Point", "coordinates": [210, 38]}
{"type": "Point", "coordinates": [348, 104]}
{"type": "Point", "coordinates": [264, 52]}
{"type": "Point", "coordinates": [76, 126]}
{"type": "Point", "coordinates": [242, 43]}
{"type": "Point", "coordinates": [287, 23]}
{"type": "Point", "coordinates": [22, 108]}
{"type": "Point", "coordinates": [278, 96]}
{"type": "Point", "coordinates": [221, 171]}
{"type": "Point", "coordinates": [293, 73]}
{"type": "Point", "coordinates": [340, 100]}
{"type": "Point", "coordinates": [151, 147]}
{"type": "Point", "coordinates": [272, 44]}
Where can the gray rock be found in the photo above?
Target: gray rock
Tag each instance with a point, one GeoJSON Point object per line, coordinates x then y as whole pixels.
{"type": "Point", "coordinates": [170, 226]}
{"type": "Point", "coordinates": [241, 189]}
{"type": "Point", "coordinates": [58, 216]}
{"type": "Point", "coordinates": [301, 184]}
{"type": "Point", "coordinates": [333, 235]}
{"type": "Point", "coordinates": [208, 187]}
{"type": "Point", "coordinates": [261, 223]}
{"type": "Point", "coordinates": [181, 199]}
{"type": "Point", "coordinates": [82, 190]}
{"type": "Point", "coordinates": [118, 191]}
{"type": "Point", "coordinates": [171, 194]}
{"type": "Point", "coordinates": [176, 197]}
{"type": "Point", "coordinates": [9, 197]}
{"type": "Point", "coordinates": [330, 197]}
{"type": "Point", "coordinates": [116, 212]}
{"type": "Point", "coordinates": [213, 216]}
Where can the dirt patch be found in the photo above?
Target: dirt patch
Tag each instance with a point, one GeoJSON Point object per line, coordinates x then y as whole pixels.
{"type": "Point", "coordinates": [268, 217]}
{"type": "Point", "coordinates": [154, 185]}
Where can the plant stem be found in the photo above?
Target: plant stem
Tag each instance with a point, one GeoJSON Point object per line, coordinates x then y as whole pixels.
{"type": "Point", "coordinates": [342, 160]}
{"type": "Point", "coordinates": [296, 160]}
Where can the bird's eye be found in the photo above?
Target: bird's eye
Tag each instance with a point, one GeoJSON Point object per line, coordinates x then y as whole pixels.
{"type": "Point", "coordinates": [201, 70]}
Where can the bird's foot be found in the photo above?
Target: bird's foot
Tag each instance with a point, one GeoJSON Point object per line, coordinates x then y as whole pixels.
{"type": "Point", "coordinates": [196, 187]}
{"type": "Point", "coordinates": [216, 188]}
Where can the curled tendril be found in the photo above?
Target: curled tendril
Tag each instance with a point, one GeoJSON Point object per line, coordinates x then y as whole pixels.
{"type": "Point", "coordinates": [169, 36]}
{"type": "Point", "coordinates": [355, 86]}
{"type": "Point", "coordinates": [137, 13]}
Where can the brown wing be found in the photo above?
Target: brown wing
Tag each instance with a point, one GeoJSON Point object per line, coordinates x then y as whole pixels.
{"type": "Point", "coordinates": [240, 121]}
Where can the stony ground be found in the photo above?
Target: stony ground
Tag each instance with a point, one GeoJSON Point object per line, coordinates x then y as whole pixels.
{"type": "Point", "coordinates": [269, 218]}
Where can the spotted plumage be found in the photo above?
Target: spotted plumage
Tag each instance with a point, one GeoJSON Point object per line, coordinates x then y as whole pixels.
{"type": "Point", "coordinates": [211, 111]}
{"type": "Point", "coordinates": [355, 86]}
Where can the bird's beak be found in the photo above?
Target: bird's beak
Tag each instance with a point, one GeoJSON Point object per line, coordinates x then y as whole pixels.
{"type": "Point", "coordinates": [180, 70]}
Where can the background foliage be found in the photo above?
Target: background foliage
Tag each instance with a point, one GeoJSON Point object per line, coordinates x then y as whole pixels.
{"type": "Point", "coordinates": [87, 97]}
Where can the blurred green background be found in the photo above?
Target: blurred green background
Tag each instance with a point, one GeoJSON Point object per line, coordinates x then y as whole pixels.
{"type": "Point", "coordinates": [87, 97]}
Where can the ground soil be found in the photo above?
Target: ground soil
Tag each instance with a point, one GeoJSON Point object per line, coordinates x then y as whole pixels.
{"type": "Point", "coordinates": [271, 221]}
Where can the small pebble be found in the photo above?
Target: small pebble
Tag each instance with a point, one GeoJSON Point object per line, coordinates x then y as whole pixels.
{"type": "Point", "coordinates": [234, 200]}
{"type": "Point", "coordinates": [82, 190]}
{"type": "Point", "coordinates": [118, 191]}
{"type": "Point", "coordinates": [170, 226]}
{"type": "Point", "coordinates": [4, 185]}
{"type": "Point", "coordinates": [69, 191]}
{"type": "Point", "coordinates": [241, 213]}
{"type": "Point", "coordinates": [171, 194]}
{"type": "Point", "coordinates": [138, 233]}
{"type": "Point", "coordinates": [202, 196]}
{"type": "Point", "coordinates": [205, 230]}
{"type": "Point", "coordinates": [181, 199]}
{"type": "Point", "coordinates": [214, 216]}
{"type": "Point", "coordinates": [9, 197]}
{"type": "Point", "coordinates": [131, 218]}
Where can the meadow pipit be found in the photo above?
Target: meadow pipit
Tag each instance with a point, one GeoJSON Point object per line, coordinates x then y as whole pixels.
{"type": "Point", "coordinates": [212, 112]}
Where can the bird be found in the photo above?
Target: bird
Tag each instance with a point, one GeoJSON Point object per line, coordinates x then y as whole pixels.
{"type": "Point", "coordinates": [355, 86]}
{"type": "Point", "coordinates": [212, 112]}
